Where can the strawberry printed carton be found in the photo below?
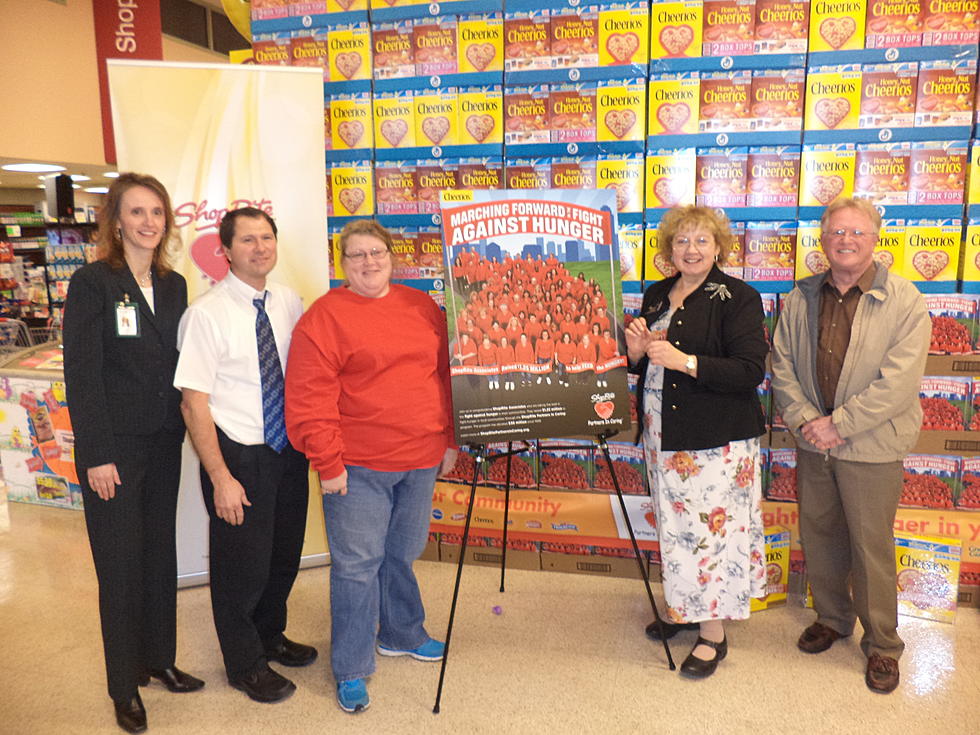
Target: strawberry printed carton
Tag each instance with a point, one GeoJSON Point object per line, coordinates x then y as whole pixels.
{"type": "Point", "coordinates": [954, 323]}
{"type": "Point", "coordinates": [945, 403]}
{"type": "Point", "coordinates": [566, 464]}
{"type": "Point", "coordinates": [523, 466]}
{"type": "Point", "coordinates": [782, 475]}
{"type": "Point", "coordinates": [969, 495]}
{"type": "Point", "coordinates": [930, 481]}
{"type": "Point", "coordinates": [628, 464]}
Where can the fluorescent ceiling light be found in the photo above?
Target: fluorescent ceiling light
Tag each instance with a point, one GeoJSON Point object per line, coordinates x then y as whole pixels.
{"type": "Point", "coordinates": [32, 168]}
{"type": "Point", "coordinates": [111, 174]}
{"type": "Point", "coordinates": [80, 177]}
{"type": "Point", "coordinates": [97, 189]}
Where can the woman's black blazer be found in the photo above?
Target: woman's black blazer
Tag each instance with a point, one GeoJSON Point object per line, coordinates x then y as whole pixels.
{"type": "Point", "coordinates": [120, 385]}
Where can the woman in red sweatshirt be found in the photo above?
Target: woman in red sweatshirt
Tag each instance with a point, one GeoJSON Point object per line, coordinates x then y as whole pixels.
{"type": "Point", "coordinates": [545, 350]}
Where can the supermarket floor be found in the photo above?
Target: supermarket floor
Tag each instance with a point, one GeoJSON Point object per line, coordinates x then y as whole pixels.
{"type": "Point", "coordinates": [567, 654]}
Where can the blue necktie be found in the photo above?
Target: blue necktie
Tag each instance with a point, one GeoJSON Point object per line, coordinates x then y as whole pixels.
{"type": "Point", "coordinates": [273, 386]}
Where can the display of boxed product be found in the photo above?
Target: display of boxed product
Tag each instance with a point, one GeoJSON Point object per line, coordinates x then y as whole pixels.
{"type": "Point", "coordinates": [485, 551]}
{"type": "Point", "coordinates": [947, 22]}
{"type": "Point", "coordinates": [572, 112]}
{"type": "Point", "coordinates": [928, 570]}
{"type": "Point", "coordinates": [629, 466]}
{"type": "Point", "coordinates": [721, 177]}
{"type": "Point", "coordinates": [570, 172]}
{"type": "Point", "coordinates": [945, 93]}
{"type": "Point", "coordinates": [782, 474]}
{"type": "Point", "coordinates": [393, 50]}
{"type": "Point", "coordinates": [770, 249]}
{"type": "Point", "coordinates": [777, 99]}
{"type": "Point", "coordinates": [480, 42]}
{"type": "Point", "coordinates": [624, 28]}
{"type": "Point", "coordinates": [888, 93]}
{"type": "Point", "coordinates": [765, 397]}
{"type": "Point", "coordinates": [777, 569]}
{"type": "Point", "coordinates": [481, 173]}
{"type": "Point", "coordinates": [676, 28]}
{"type": "Point", "coordinates": [434, 43]}
{"type": "Point", "coordinates": [352, 188]}
{"type": "Point", "coordinates": [734, 264]}
{"type": "Point", "coordinates": [946, 403]}
{"type": "Point", "coordinates": [527, 40]}
{"type": "Point", "coordinates": [630, 252]}
{"type": "Point", "coordinates": [826, 172]}
{"type": "Point", "coordinates": [526, 115]}
{"type": "Point", "coordinates": [890, 250]}
{"type": "Point", "coordinates": [893, 24]}
{"type": "Point", "coordinates": [810, 258]}
{"type": "Point", "coordinates": [623, 174]}
{"type": "Point", "coordinates": [434, 176]}
{"type": "Point", "coordinates": [350, 121]}
{"type": "Point", "coordinates": [349, 51]}
{"type": "Point", "coordinates": [781, 26]}
{"type": "Point", "coordinates": [938, 172]}
{"type": "Point", "coordinates": [268, 9]}
{"type": "Point", "coordinates": [523, 466]}
{"type": "Point", "coordinates": [882, 172]}
{"type": "Point", "coordinates": [724, 104]}
{"type": "Point", "coordinates": [396, 187]}
{"type": "Point", "coordinates": [527, 173]}
{"type": "Point", "coordinates": [405, 244]}
{"type": "Point", "coordinates": [837, 26]}
{"type": "Point", "coordinates": [729, 27]}
{"type": "Point", "coordinates": [481, 115]}
{"type": "Point", "coordinates": [670, 177]}
{"type": "Point", "coordinates": [619, 109]}
{"type": "Point", "coordinates": [833, 97]}
{"type": "Point", "coordinates": [674, 102]}
{"type": "Point", "coordinates": [773, 174]}
{"type": "Point", "coordinates": [436, 117]}
{"type": "Point", "coordinates": [656, 265]}
{"type": "Point", "coordinates": [394, 119]}
{"type": "Point", "coordinates": [932, 253]}
{"type": "Point", "coordinates": [770, 311]}
{"type": "Point", "coordinates": [954, 323]}
{"type": "Point", "coordinates": [930, 481]}
{"type": "Point", "coordinates": [565, 463]}
{"type": "Point", "coordinates": [272, 49]}
{"type": "Point", "coordinates": [969, 495]}
{"type": "Point", "coordinates": [575, 37]}
{"type": "Point", "coordinates": [970, 276]}
{"type": "Point", "coordinates": [309, 48]}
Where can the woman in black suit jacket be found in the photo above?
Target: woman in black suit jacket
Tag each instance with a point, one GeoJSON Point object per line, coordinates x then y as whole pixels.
{"type": "Point", "coordinates": [700, 350]}
{"type": "Point", "coordinates": [120, 342]}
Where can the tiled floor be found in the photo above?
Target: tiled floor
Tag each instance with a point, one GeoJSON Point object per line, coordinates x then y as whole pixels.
{"type": "Point", "coordinates": [567, 654]}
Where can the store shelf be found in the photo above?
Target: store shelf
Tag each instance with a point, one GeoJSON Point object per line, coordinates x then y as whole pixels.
{"type": "Point", "coordinates": [899, 211]}
{"type": "Point", "coordinates": [582, 148]}
{"type": "Point", "coordinates": [409, 220]}
{"type": "Point", "coordinates": [422, 10]}
{"type": "Point", "coordinates": [752, 62]}
{"type": "Point", "coordinates": [563, 76]}
{"type": "Point", "coordinates": [350, 154]}
{"type": "Point", "coordinates": [893, 55]}
{"type": "Point", "coordinates": [888, 135]}
{"type": "Point", "coordinates": [356, 86]}
{"type": "Point", "coordinates": [740, 214]}
{"type": "Point", "coordinates": [439, 81]}
{"type": "Point", "coordinates": [445, 151]}
{"type": "Point", "coordinates": [305, 22]}
{"type": "Point", "coordinates": [705, 140]}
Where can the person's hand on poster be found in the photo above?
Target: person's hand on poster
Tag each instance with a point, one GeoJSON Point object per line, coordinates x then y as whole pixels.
{"type": "Point", "coordinates": [448, 461]}
{"type": "Point", "coordinates": [334, 485]}
{"type": "Point", "coordinates": [103, 480]}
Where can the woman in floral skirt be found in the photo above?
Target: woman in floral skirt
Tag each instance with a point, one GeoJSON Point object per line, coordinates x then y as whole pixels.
{"type": "Point", "coordinates": [700, 352]}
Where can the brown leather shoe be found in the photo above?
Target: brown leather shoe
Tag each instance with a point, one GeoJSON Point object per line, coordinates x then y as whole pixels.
{"type": "Point", "coordinates": [818, 638]}
{"type": "Point", "coordinates": [882, 674]}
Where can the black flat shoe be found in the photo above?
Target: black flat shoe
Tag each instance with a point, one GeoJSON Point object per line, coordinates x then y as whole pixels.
{"type": "Point", "coordinates": [174, 679]}
{"type": "Point", "coordinates": [130, 714]}
{"type": "Point", "coordinates": [670, 629]}
{"type": "Point", "coordinates": [698, 668]}
{"type": "Point", "coordinates": [291, 653]}
{"type": "Point", "coordinates": [264, 685]}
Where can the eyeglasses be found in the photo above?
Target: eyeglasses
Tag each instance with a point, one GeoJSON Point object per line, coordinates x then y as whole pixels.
{"type": "Point", "coordinates": [360, 255]}
{"type": "Point", "coordinates": [842, 231]}
{"type": "Point", "coordinates": [701, 243]}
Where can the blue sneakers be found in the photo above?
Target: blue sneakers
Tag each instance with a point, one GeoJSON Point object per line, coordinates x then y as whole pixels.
{"type": "Point", "coordinates": [431, 650]}
{"type": "Point", "coordinates": [352, 696]}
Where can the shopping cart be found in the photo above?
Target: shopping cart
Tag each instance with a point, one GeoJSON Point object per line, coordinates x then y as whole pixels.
{"type": "Point", "coordinates": [14, 335]}
{"type": "Point", "coordinates": [40, 335]}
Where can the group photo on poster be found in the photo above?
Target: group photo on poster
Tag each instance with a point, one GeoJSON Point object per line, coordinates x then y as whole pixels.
{"type": "Point", "coordinates": [534, 312]}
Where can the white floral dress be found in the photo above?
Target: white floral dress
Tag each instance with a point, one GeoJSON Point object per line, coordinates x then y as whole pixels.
{"type": "Point", "coordinates": [709, 518]}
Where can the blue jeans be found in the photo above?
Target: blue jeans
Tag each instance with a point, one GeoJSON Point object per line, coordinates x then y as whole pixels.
{"type": "Point", "coordinates": [375, 532]}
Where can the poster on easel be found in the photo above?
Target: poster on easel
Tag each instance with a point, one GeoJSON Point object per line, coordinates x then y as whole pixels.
{"type": "Point", "coordinates": [534, 312]}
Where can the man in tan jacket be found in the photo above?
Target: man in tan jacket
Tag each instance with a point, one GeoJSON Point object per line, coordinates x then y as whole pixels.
{"type": "Point", "coordinates": [848, 356]}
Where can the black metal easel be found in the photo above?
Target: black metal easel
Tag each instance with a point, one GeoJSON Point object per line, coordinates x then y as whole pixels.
{"type": "Point", "coordinates": [479, 451]}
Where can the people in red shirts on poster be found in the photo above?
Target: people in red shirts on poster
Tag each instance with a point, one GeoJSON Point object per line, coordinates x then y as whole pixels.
{"type": "Point", "coordinates": [545, 351]}
{"type": "Point", "coordinates": [524, 354]}
{"type": "Point", "coordinates": [505, 356]}
{"type": "Point", "coordinates": [487, 357]}
{"type": "Point", "coordinates": [565, 354]}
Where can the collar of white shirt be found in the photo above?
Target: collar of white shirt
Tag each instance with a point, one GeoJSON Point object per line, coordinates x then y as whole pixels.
{"type": "Point", "coordinates": [242, 290]}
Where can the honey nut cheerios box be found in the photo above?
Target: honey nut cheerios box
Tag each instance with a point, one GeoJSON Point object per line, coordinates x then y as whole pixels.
{"type": "Point", "coordinates": [945, 93]}
{"type": "Point", "coordinates": [837, 25]}
{"type": "Point", "coordinates": [826, 172]}
{"type": "Point", "coordinates": [623, 174]}
{"type": "Point", "coordinates": [619, 109]}
{"type": "Point", "coordinates": [777, 99]}
{"type": "Point", "coordinates": [893, 24]}
{"type": "Point", "coordinates": [721, 177]}
{"type": "Point", "coordinates": [272, 49]}
{"type": "Point", "coordinates": [396, 187]}
{"type": "Point", "coordinates": [938, 172]}
{"type": "Point", "coordinates": [773, 176]}
{"type": "Point", "coordinates": [309, 48]}
{"type": "Point", "coordinates": [572, 112]}
{"type": "Point", "coordinates": [888, 94]}
{"type": "Point", "coordinates": [352, 186]}
{"type": "Point", "coordinates": [670, 177]}
{"type": "Point", "coordinates": [950, 22]}
{"type": "Point", "coordinates": [349, 51]}
{"type": "Point", "coordinates": [770, 252]}
{"type": "Point", "coordinates": [485, 172]}
{"type": "Point", "coordinates": [676, 29]}
{"type": "Point", "coordinates": [350, 121]}
{"type": "Point", "coordinates": [393, 50]}
{"type": "Point", "coordinates": [481, 115]}
{"type": "Point", "coordinates": [623, 31]}
{"type": "Point", "coordinates": [674, 102]}
{"type": "Point", "coordinates": [882, 172]}
{"type": "Point", "coordinates": [435, 176]}
{"type": "Point", "coordinates": [781, 26]}
{"type": "Point", "coordinates": [573, 172]}
{"type": "Point", "coordinates": [777, 569]}
{"type": "Point", "coordinates": [725, 105]}
{"type": "Point", "coordinates": [932, 252]}
{"type": "Point", "coordinates": [927, 576]}
{"type": "Point", "coordinates": [833, 97]}
{"type": "Point", "coordinates": [394, 119]}
{"type": "Point", "coordinates": [526, 115]}
{"type": "Point", "coordinates": [481, 42]}
{"type": "Point", "coordinates": [729, 27]}
{"type": "Point", "coordinates": [434, 41]}
{"type": "Point", "coordinates": [527, 173]}
{"type": "Point", "coordinates": [527, 40]}
{"type": "Point", "coordinates": [575, 37]}
{"type": "Point", "coordinates": [436, 115]}
{"type": "Point", "coordinates": [735, 262]}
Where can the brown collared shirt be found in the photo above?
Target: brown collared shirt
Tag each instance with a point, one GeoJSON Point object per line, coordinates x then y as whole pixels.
{"type": "Point", "coordinates": [834, 325]}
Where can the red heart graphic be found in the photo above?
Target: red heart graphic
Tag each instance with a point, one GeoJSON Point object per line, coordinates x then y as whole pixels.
{"type": "Point", "coordinates": [651, 518]}
{"type": "Point", "coordinates": [604, 409]}
{"type": "Point", "coordinates": [207, 254]}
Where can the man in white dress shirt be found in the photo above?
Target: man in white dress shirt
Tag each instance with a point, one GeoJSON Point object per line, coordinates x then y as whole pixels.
{"type": "Point", "coordinates": [233, 343]}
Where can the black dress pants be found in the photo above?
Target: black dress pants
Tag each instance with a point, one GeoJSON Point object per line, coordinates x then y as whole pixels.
{"type": "Point", "coordinates": [134, 547]}
{"type": "Point", "coordinates": [253, 566]}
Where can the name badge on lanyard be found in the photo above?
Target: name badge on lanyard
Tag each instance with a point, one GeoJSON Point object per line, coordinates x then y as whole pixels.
{"type": "Point", "coordinates": [127, 318]}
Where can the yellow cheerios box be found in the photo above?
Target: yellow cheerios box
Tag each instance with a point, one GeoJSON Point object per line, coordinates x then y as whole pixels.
{"type": "Point", "coordinates": [394, 119]}
{"type": "Point", "coordinates": [619, 110]}
{"type": "Point", "coordinates": [343, 6]}
{"type": "Point", "coordinates": [436, 114]}
{"type": "Point", "coordinates": [670, 177]}
{"type": "Point", "coordinates": [971, 253]}
{"type": "Point", "coordinates": [336, 255]}
{"type": "Point", "coordinates": [932, 251]}
{"type": "Point", "coordinates": [777, 570]}
{"type": "Point", "coordinates": [927, 572]}
{"type": "Point", "coordinates": [675, 29]}
{"type": "Point", "coordinates": [623, 32]}
{"type": "Point", "coordinates": [837, 25]}
{"type": "Point", "coordinates": [810, 258]}
{"type": "Point", "coordinates": [480, 42]}
{"type": "Point", "coordinates": [352, 185]}
{"type": "Point", "coordinates": [674, 103]}
{"type": "Point", "coordinates": [481, 115]}
{"type": "Point", "coordinates": [826, 172]}
{"type": "Point", "coordinates": [833, 97]}
{"type": "Point", "coordinates": [630, 252]}
{"type": "Point", "coordinates": [890, 250]}
{"type": "Point", "coordinates": [656, 265]}
{"type": "Point", "coordinates": [350, 121]}
{"type": "Point", "coordinates": [623, 174]}
{"type": "Point", "coordinates": [349, 52]}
